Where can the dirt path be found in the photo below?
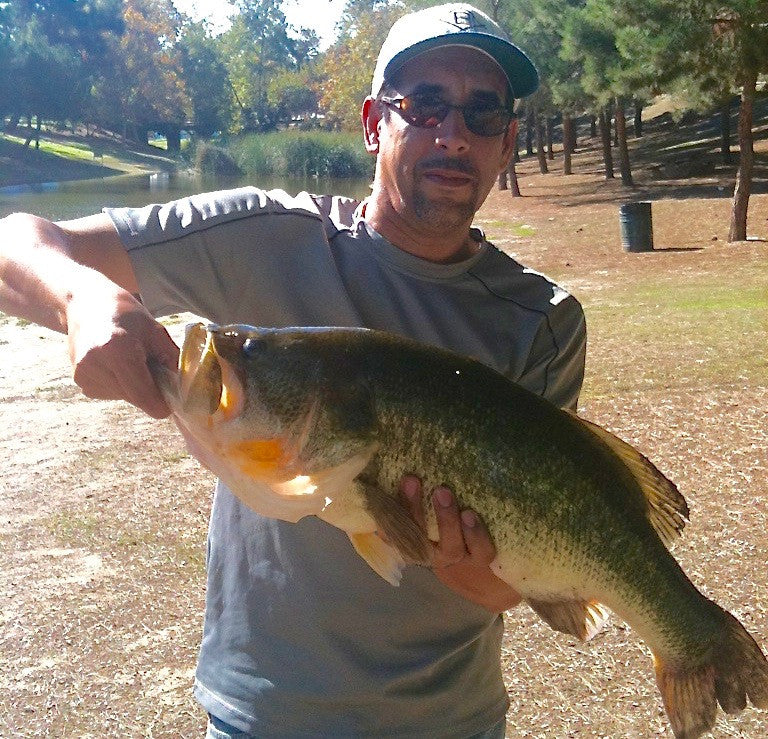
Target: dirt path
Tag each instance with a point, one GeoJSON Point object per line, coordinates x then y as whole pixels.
{"type": "Point", "coordinates": [103, 530]}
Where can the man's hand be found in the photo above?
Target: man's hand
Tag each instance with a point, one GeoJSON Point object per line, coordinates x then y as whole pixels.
{"type": "Point", "coordinates": [111, 337]}
{"type": "Point", "coordinates": [462, 557]}
{"type": "Point", "coordinates": [75, 277]}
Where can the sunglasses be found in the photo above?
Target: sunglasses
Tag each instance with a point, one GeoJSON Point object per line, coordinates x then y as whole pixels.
{"type": "Point", "coordinates": [481, 119]}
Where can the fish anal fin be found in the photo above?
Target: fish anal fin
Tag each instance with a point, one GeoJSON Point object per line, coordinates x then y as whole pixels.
{"type": "Point", "coordinates": [395, 523]}
{"type": "Point", "coordinates": [667, 509]}
{"type": "Point", "coordinates": [579, 618]}
{"type": "Point", "coordinates": [383, 558]}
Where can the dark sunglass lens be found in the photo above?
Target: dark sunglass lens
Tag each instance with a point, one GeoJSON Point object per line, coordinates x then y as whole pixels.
{"type": "Point", "coordinates": [424, 113]}
{"type": "Point", "coordinates": [486, 121]}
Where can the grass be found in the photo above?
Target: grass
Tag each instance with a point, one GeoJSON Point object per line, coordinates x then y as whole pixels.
{"type": "Point", "coordinates": [692, 335]}
{"type": "Point", "coordinates": [64, 156]}
{"type": "Point", "coordinates": [518, 230]}
{"type": "Point", "coordinates": [74, 528]}
{"type": "Point", "coordinates": [74, 150]}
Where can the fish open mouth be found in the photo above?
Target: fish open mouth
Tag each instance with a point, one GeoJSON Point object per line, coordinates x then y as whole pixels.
{"type": "Point", "coordinates": [209, 384]}
{"type": "Point", "coordinates": [201, 384]}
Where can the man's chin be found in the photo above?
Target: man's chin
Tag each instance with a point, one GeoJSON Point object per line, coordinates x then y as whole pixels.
{"type": "Point", "coordinates": [445, 212]}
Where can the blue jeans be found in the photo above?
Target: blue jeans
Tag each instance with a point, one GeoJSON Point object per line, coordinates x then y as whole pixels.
{"type": "Point", "coordinates": [218, 729]}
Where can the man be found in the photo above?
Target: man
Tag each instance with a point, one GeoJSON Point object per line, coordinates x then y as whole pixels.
{"type": "Point", "coordinates": [301, 638]}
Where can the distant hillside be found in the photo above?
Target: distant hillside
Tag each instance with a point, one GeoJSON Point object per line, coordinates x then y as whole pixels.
{"type": "Point", "coordinates": [67, 156]}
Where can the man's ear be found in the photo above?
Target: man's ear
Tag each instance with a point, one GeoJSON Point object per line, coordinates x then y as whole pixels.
{"type": "Point", "coordinates": [371, 117]}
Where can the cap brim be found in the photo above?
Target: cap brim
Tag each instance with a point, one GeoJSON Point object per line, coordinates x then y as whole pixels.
{"type": "Point", "coordinates": [521, 74]}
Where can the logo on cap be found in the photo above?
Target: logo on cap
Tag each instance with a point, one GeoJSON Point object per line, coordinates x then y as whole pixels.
{"type": "Point", "coordinates": [466, 20]}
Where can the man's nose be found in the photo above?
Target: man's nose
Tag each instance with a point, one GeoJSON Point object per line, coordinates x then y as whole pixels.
{"type": "Point", "coordinates": [451, 134]}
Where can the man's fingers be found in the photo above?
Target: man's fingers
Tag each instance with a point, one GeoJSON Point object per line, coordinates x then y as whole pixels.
{"type": "Point", "coordinates": [118, 371]}
{"type": "Point", "coordinates": [163, 348]}
{"type": "Point", "coordinates": [451, 548]}
{"type": "Point", "coordinates": [410, 492]}
{"type": "Point", "coordinates": [476, 538]}
{"type": "Point", "coordinates": [140, 390]}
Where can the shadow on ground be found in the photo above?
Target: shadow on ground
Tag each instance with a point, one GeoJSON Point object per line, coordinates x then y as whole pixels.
{"type": "Point", "coordinates": [673, 159]}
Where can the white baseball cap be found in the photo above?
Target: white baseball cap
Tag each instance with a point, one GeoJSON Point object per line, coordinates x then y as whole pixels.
{"type": "Point", "coordinates": [451, 25]}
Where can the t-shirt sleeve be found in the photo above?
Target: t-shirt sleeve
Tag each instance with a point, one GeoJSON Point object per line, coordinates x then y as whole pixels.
{"type": "Point", "coordinates": [558, 354]}
{"type": "Point", "coordinates": [206, 253]}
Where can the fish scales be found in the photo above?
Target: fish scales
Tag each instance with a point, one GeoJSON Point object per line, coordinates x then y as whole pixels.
{"type": "Point", "coordinates": [525, 476]}
{"type": "Point", "coordinates": [326, 422]}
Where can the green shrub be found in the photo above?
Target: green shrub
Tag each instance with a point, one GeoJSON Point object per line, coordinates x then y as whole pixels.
{"type": "Point", "coordinates": [302, 154]}
{"type": "Point", "coordinates": [210, 159]}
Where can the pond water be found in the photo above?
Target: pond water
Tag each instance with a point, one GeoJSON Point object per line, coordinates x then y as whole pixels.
{"type": "Point", "coordinates": [64, 200]}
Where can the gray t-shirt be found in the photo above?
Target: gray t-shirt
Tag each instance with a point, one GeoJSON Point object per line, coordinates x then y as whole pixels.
{"type": "Point", "coordinates": [301, 637]}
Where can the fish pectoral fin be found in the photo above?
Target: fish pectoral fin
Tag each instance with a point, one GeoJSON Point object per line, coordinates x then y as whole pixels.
{"type": "Point", "coordinates": [667, 509]}
{"type": "Point", "coordinates": [383, 558]}
{"type": "Point", "coordinates": [332, 482]}
{"type": "Point", "coordinates": [579, 618]}
{"type": "Point", "coordinates": [396, 523]}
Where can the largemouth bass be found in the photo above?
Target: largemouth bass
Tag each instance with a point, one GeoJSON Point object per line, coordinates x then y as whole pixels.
{"type": "Point", "coordinates": [325, 422]}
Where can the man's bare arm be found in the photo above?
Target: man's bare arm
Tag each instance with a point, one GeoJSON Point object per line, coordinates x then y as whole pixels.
{"type": "Point", "coordinates": [42, 263]}
{"type": "Point", "coordinates": [75, 277]}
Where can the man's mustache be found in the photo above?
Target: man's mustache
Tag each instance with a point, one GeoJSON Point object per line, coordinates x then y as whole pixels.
{"type": "Point", "coordinates": [450, 163]}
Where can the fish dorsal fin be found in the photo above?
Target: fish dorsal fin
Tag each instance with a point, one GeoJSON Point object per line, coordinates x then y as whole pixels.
{"type": "Point", "coordinates": [667, 509]}
{"type": "Point", "coordinates": [582, 619]}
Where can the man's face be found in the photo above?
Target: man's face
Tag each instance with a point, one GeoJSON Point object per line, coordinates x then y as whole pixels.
{"type": "Point", "coordinates": [438, 177]}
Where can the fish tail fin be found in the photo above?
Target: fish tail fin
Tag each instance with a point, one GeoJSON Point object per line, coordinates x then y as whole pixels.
{"type": "Point", "coordinates": [737, 670]}
{"type": "Point", "coordinates": [741, 669]}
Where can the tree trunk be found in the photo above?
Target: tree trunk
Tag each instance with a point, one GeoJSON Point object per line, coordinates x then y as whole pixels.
{"type": "Point", "coordinates": [513, 183]}
{"type": "Point", "coordinates": [540, 153]}
{"type": "Point", "coordinates": [550, 147]}
{"type": "Point", "coordinates": [725, 130]}
{"type": "Point", "coordinates": [173, 138]}
{"type": "Point", "coordinates": [738, 229]}
{"type": "Point", "coordinates": [509, 175]}
{"type": "Point", "coordinates": [33, 132]}
{"type": "Point", "coordinates": [638, 122]}
{"type": "Point", "coordinates": [567, 143]}
{"type": "Point", "coordinates": [605, 138]}
{"type": "Point", "coordinates": [592, 126]}
{"type": "Point", "coordinates": [621, 136]}
{"type": "Point", "coordinates": [574, 138]}
{"type": "Point", "coordinates": [530, 130]}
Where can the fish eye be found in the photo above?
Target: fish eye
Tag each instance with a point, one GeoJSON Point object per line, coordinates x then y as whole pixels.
{"type": "Point", "coordinates": [252, 347]}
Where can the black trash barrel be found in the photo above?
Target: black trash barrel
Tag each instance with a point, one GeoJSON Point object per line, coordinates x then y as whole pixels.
{"type": "Point", "coordinates": [636, 227]}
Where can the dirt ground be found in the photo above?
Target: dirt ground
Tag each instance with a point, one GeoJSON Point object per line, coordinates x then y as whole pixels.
{"type": "Point", "coordinates": [104, 517]}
